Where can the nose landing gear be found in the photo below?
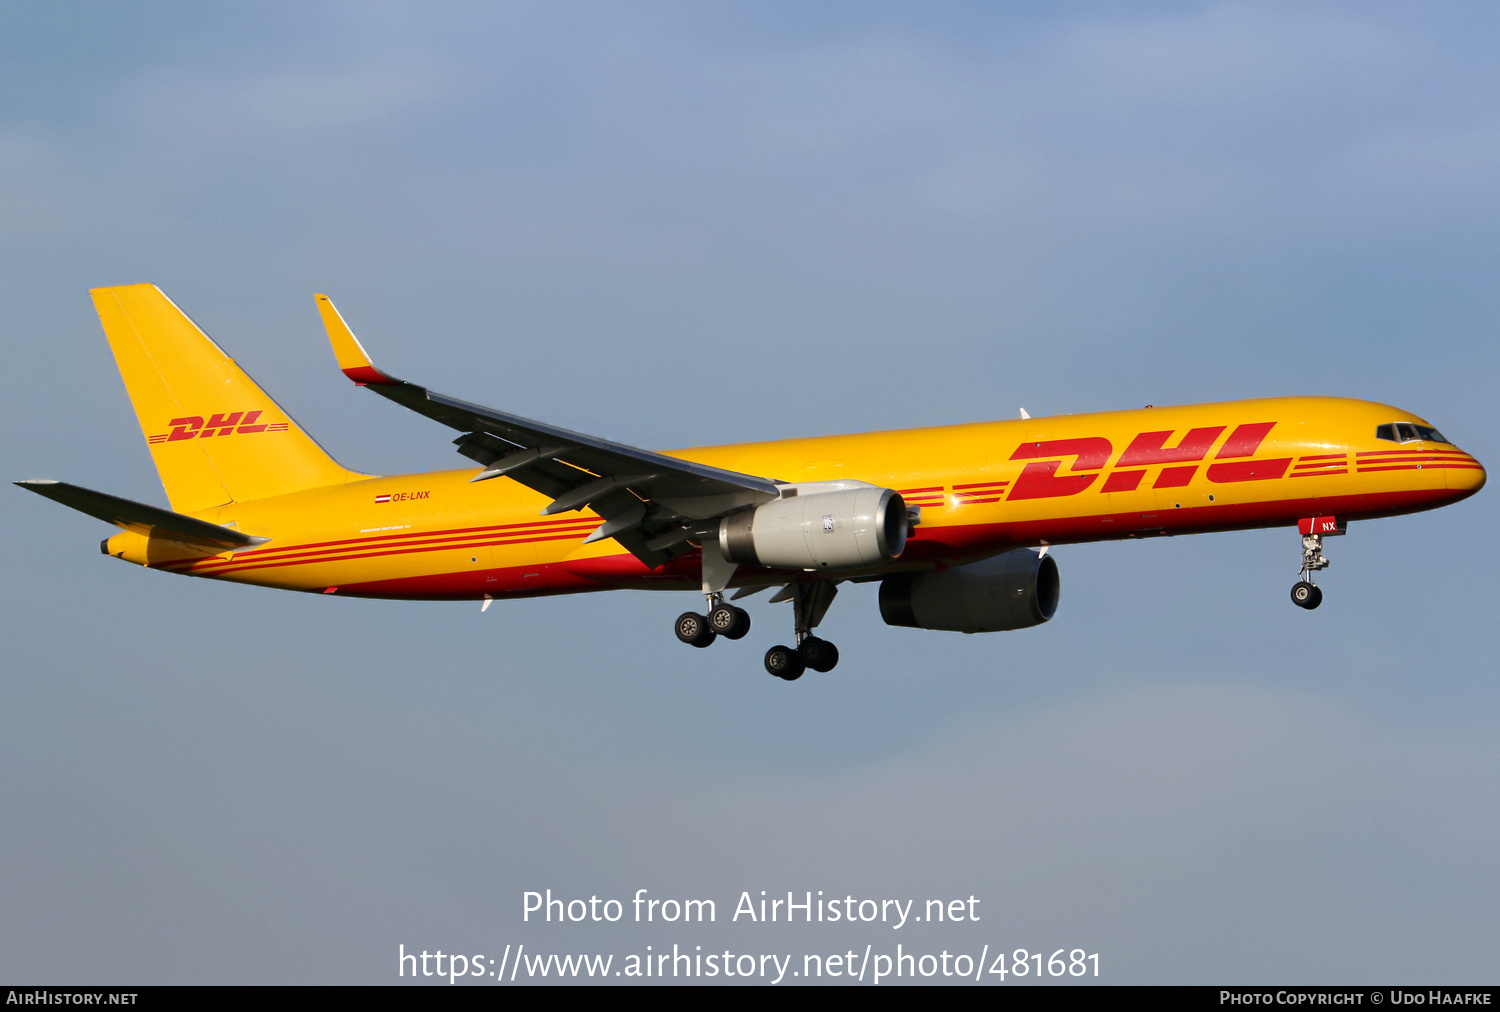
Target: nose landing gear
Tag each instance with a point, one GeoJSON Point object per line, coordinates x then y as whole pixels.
{"type": "Point", "coordinates": [1305, 593]}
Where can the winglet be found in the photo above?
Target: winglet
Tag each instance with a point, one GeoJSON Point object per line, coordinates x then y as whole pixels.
{"type": "Point", "coordinates": [351, 355]}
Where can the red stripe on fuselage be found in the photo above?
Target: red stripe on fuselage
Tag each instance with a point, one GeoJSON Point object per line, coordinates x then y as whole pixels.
{"type": "Point", "coordinates": [358, 547]}
{"type": "Point", "coordinates": [950, 545]}
{"type": "Point", "coordinates": [402, 550]}
{"type": "Point", "coordinates": [1428, 465]}
{"type": "Point", "coordinates": [583, 525]}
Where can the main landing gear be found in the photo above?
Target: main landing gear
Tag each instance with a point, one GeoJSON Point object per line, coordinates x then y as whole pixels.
{"type": "Point", "coordinates": [1305, 593]}
{"type": "Point", "coordinates": [810, 603]}
{"type": "Point", "coordinates": [811, 652]}
{"type": "Point", "coordinates": [722, 620]}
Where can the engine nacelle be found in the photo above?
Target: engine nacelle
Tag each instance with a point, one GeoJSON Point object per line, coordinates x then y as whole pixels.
{"type": "Point", "coordinates": [818, 525]}
{"type": "Point", "coordinates": [1010, 591]}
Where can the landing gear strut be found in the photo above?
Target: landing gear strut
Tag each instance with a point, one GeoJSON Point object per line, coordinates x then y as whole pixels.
{"type": "Point", "coordinates": [1305, 593]}
{"type": "Point", "coordinates": [810, 602]}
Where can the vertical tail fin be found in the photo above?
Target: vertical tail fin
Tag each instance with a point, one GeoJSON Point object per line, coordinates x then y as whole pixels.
{"type": "Point", "coordinates": [214, 435]}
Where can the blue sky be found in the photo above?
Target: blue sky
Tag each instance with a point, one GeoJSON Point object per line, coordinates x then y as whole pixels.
{"type": "Point", "coordinates": [675, 225]}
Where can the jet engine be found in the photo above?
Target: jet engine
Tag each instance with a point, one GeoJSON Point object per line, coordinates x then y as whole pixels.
{"type": "Point", "coordinates": [1009, 591]}
{"type": "Point", "coordinates": [818, 525]}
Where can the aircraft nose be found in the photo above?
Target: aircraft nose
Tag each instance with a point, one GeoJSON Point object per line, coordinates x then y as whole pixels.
{"type": "Point", "coordinates": [1466, 476]}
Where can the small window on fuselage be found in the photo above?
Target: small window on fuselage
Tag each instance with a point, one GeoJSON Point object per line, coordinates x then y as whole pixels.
{"type": "Point", "coordinates": [1386, 432]}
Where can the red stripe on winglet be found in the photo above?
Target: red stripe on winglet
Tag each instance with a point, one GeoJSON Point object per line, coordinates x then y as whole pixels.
{"type": "Point", "coordinates": [367, 374]}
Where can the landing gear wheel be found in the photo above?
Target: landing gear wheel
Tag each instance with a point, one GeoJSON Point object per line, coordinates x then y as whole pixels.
{"type": "Point", "coordinates": [820, 655]}
{"type": "Point", "coordinates": [730, 622]}
{"type": "Point", "coordinates": [694, 630]}
{"type": "Point", "coordinates": [1306, 595]}
{"type": "Point", "coordinates": [784, 662]}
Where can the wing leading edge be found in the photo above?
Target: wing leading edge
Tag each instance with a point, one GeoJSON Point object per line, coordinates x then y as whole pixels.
{"type": "Point", "coordinates": [652, 504]}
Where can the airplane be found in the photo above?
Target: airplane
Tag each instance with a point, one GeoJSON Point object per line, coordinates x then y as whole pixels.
{"type": "Point", "coordinates": [954, 522]}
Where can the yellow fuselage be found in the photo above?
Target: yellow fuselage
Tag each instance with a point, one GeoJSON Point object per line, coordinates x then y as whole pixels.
{"type": "Point", "coordinates": [982, 488]}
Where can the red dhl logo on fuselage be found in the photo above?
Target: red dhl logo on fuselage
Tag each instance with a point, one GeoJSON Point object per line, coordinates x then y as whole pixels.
{"type": "Point", "coordinates": [1040, 480]}
{"type": "Point", "coordinates": [1234, 462]}
{"type": "Point", "coordinates": [194, 427]}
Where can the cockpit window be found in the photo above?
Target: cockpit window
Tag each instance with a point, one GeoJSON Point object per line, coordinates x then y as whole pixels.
{"type": "Point", "coordinates": [1406, 432]}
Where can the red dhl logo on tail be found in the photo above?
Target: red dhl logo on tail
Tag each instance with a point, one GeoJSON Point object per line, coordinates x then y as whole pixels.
{"type": "Point", "coordinates": [1040, 480]}
{"type": "Point", "coordinates": [194, 427]}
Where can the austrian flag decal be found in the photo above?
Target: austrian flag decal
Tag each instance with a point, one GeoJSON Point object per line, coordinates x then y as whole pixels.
{"type": "Point", "coordinates": [382, 498]}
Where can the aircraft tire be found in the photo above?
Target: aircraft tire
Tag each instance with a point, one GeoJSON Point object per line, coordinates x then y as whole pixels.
{"type": "Point", "coordinates": [694, 630]}
{"type": "Point", "coordinates": [1306, 595]}
{"type": "Point", "coordinates": [784, 663]}
{"type": "Point", "coordinates": [820, 655]}
{"type": "Point", "coordinates": [730, 622]}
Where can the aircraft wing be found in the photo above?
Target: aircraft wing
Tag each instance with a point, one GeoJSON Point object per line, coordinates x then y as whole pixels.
{"type": "Point", "coordinates": [650, 501]}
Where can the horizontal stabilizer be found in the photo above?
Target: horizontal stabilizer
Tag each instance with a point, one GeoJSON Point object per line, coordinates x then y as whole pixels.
{"type": "Point", "coordinates": [140, 518]}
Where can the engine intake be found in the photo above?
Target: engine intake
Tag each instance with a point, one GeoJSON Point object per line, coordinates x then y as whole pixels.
{"type": "Point", "coordinates": [1010, 591]}
{"type": "Point", "coordinates": [819, 525]}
